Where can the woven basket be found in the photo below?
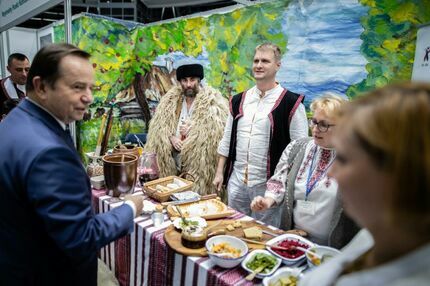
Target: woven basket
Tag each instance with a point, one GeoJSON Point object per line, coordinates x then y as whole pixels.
{"type": "Point", "coordinates": [151, 187]}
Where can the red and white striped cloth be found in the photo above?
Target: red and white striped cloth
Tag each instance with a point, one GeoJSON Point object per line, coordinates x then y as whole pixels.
{"type": "Point", "coordinates": [144, 258]}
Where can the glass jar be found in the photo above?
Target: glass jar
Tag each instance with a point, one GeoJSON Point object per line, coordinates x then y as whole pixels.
{"type": "Point", "coordinates": [157, 216]}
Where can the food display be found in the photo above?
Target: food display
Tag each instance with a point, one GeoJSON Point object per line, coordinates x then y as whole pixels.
{"type": "Point", "coordinates": [253, 233]}
{"type": "Point", "coordinates": [193, 237]}
{"type": "Point", "coordinates": [187, 195]}
{"type": "Point", "coordinates": [262, 261]}
{"type": "Point", "coordinates": [285, 281]}
{"type": "Point", "coordinates": [208, 209]}
{"type": "Point", "coordinates": [292, 256]}
{"type": "Point", "coordinates": [292, 252]}
{"type": "Point", "coordinates": [319, 254]}
{"type": "Point", "coordinates": [161, 189]}
{"type": "Point", "coordinates": [226, 249]}
{"type": "Point", "coordinates": [182, 223]}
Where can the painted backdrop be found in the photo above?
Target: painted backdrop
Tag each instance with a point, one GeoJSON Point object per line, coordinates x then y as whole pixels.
{"type": "Point", "coordinates": [341, 46]}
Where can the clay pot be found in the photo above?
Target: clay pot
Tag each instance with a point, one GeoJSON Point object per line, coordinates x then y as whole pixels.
{"type": "Point", "coordinates": [120, 171]}
{"type": "Point", "coordinates": [126, 149]}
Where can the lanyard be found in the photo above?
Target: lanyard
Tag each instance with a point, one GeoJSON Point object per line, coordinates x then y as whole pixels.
{"type": "Point", "coordinates": [309, 188]}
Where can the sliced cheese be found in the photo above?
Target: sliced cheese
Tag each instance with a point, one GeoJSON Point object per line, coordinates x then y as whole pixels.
{"type": "Point", "coordinates": [230, 227]}
{"type": "Point", "coordinates": [253, 232]}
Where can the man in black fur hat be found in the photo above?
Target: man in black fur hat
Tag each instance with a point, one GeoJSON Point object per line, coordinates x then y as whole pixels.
{"type": "Point", "coordinates": [187, 127]}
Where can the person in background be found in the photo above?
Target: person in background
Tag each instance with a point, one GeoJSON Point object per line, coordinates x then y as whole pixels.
{"type": "Point", "coordinates": [261, 123]}
{"type": "Point", "coordinates": [187, 127]}
{"type": "Point", "coordinates": [12, 88]}
{"type": "Point", "coordinates": [309, 197]}
{"type": "Point", "coordinates": [49, 234]}
{"type": "Point", "coordinates": [382, 167]}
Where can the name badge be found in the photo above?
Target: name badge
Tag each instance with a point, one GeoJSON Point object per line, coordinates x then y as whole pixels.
{"type": "Point", "coordinates": [306, 207]}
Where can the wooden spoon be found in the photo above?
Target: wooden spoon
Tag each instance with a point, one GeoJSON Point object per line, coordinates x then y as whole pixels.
{"type": "Point", "coordinates": [263, 243]}
{"type": "Point", "coordinates": [178, 209]}
{"type": "Point", "coordinates": [251, 276]}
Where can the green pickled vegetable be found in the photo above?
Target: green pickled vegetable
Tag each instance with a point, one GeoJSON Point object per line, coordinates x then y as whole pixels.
{"type": "Point", "coordinates": [262, 259]}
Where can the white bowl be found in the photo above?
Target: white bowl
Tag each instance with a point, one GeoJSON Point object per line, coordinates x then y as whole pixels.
{"type": "Point", "coordinates": [251, 256]}
{"type": "Point", "coordinates": [287, 236]}
{"type": "Point", "coordinates": [195, 220]}
{"type": "Point", "coordinates": [281, 273]}
{"type": "Point", "coordinates": [320, 250]}
{"type": "Point", "coordinates": [227, 262]}
{"type": "Point", "coordinates": [98, 182]}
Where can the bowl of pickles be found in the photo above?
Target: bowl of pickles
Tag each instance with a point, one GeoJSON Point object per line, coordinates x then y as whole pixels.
{"type": "Point", "coordinates": [260, 263]}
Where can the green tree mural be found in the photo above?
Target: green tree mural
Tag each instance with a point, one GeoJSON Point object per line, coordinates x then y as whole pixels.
{"type": "Point", "coordinates": [389, 41]}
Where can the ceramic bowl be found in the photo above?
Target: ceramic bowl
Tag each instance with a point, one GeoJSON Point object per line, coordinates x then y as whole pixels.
{"type": "Point", "coordinates": [251, 256]}
{"type": "Point", "coordinates": [282, 273]}
{"type": "Point", "coordinates": [292, 260]}
{"type": "Point", "coordinates": [324, 251]}
{"type": "Point", "coordinates": [226, 262]}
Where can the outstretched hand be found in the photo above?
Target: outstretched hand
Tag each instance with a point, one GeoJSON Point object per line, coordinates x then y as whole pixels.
{"type": "Point", "coordinates": [259, 203]}
{"type": "Point", "coordinates": [137, 201]}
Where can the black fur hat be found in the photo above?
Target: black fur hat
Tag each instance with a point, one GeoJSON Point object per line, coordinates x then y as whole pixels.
{"type": "Point", "coordinates": [190, 70]}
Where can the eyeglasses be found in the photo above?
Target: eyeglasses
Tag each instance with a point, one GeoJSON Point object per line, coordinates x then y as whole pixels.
{"type": "Point", "coordinates": [321, 125]}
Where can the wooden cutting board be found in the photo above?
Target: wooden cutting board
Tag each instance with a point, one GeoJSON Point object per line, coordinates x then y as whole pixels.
{"type": "Point", "coordinates": [173, 237]}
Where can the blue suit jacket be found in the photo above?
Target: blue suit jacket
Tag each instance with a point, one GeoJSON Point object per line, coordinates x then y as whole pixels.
{"type": "Point", "coordinates": [49, 234]}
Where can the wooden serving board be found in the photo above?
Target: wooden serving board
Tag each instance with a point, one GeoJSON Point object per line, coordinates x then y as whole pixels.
{"type": "Point", "coordinates": [173, 237]}
{"type": "Point", "coordinates": [221, 210]}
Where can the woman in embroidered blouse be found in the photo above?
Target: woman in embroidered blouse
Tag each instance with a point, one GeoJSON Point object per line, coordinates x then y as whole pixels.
{"type": "Point", "coordinates": [301, 183]}
{"type": "Point", "coordinates": [383, 170]}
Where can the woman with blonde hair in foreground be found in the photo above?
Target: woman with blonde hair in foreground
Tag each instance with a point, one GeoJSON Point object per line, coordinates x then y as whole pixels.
{"type": "Point", "coordinates": [300, 183]}
{"type": "Point", "coordinates": [383, 171]}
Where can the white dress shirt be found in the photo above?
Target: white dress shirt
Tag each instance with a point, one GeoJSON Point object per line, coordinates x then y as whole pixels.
{"type": "Point", "coordinates": [11, 91]}
{"type": "Point", "coordinates": [253, 133]}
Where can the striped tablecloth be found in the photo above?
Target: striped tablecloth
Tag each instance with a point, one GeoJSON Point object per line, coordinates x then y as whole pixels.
{"type": "Point", "coordinates": [144, 258]}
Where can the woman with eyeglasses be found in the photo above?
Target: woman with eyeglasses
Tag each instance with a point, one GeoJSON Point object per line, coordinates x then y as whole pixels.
{"type": "Point", "coordinates": [383, 170]}
{"type": "Point", "coordinates": [300, 182]}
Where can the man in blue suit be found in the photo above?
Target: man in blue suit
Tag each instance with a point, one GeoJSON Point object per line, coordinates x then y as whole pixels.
{"type": "Point", "coordinates": [49, 234]}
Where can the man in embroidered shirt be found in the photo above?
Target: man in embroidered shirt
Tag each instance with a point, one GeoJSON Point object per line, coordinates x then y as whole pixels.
{"type": "Point", "coordinates": [187, 128]}
{"type": "Point", "coordinates": [261, 123]}
{"type": "Point", "coordinates": [12, 88]}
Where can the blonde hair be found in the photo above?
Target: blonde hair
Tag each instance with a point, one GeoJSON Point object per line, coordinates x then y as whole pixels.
{"type": "Point", "coordinates": [330, 103]}
{"type": "Point", "coordinates": [392, 125]}
{"type": "Point", "coordinates": [271, 47]}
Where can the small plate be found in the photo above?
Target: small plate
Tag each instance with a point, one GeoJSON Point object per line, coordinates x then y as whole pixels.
{"type": "Point", "coordinates": [187, 195]}
{"type": "Point", "coordinates": [197, 221]}
{"type": "Point", "coordinates": [250, 257]}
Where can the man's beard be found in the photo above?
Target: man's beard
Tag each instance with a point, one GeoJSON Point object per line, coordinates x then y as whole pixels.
{"type": "Point", "coordinates": [190, 92]}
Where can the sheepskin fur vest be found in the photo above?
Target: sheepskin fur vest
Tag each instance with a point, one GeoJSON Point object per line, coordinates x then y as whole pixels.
{"type": "Point", "coordinates": [199, 149]}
